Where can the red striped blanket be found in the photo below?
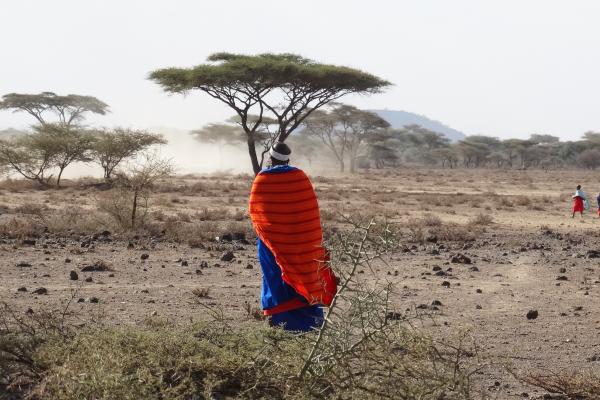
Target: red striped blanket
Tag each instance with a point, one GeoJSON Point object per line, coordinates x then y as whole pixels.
{"type": "Point", "coordinates": [285, 215]}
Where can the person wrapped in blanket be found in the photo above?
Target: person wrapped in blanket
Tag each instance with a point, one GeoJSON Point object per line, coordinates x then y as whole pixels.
{"type": "Point", "coordinates": [598, 200]}
{"type": "Point", "coordinates": [579, 202]}
{"type": "Point", "coordinates": [297, 280]}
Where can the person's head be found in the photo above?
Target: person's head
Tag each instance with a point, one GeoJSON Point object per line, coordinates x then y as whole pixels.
{"type": "Point", "coordinates": [280, 154]}
{"type": "Point", "coordinates": [578, 187]}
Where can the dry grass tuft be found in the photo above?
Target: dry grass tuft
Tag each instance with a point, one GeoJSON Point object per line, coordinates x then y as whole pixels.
{"type": "Point", "coordinates": [481, 219]}
{"type": "Point", "coordinates": [202, 293]}
{"type": "Point", "coordinates": [581, 385]}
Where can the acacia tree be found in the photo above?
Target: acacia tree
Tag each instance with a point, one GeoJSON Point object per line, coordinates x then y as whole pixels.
{"type": "Point", "coordinates": [285, 87]}
{"type": "Point", "coordinates": [324, 125]}
{"type": "Point", "coordinates": [68, 109]}
{"type": "Point", "coordinates": [30, 155]}
{"type": "Point", "coordinates": [111, 147]}
{"type": "Point", "coordinates": [68, 143]}
{"type": "Point", "coordinates": [220, 135]}
{"type": "Point", "coordinates": [344, 130]}
{"type": "Point", "coordinates": [232, 134]}
{"type": "Point", "coordinates": [589, 158]}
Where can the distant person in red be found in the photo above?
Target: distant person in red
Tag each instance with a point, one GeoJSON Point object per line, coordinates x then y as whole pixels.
{"type": "Point", "coordinates": [579, 202]}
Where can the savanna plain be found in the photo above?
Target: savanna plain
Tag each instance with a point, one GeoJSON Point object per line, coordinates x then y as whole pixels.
{"type": "Point", "coordinates": [487, 263]}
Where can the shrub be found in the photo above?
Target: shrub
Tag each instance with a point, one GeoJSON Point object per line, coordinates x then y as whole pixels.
{"type": "Point", "coordinates": [481, 220]}
{"type": "Point", "coordinates": [583, 385]}
{"type": "Point", "coordinates": [522, 201]}
{"type": "Point", "coordinates": [431, 220]}
{"type": "Point", "coordinates": [503, 201]}
{"type": "Point", "coordinates": [202, 293]}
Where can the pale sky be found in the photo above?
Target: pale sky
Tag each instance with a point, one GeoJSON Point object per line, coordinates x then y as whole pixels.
{"type": "Point", "coordinates": [505, 68]}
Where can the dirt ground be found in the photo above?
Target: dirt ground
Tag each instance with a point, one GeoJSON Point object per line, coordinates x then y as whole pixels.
{"type": "Point", "coordinates": [530, 255]}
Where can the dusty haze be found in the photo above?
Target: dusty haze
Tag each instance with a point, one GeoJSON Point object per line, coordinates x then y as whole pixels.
{"type": "Point", "coordinates": [502, 68]}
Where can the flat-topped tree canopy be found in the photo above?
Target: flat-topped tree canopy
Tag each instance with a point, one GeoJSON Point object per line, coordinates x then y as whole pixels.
{"type": "Point", "coordinates": [69, 109]}
{"type": "Point", "coordinates": [285, 87]}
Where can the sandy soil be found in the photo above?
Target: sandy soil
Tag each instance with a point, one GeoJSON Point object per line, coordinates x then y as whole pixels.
{"type": "Point", "coordinates": [532, 256]}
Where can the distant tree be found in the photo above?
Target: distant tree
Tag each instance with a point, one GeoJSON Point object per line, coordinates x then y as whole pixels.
{"type": "Point", "coordinates": [344, 130]}
{"type": "Point", "coordinates": [324, 126]}
{"type": "Point", "coordinates": [230, 133]}
{"type": "Point", "coordinates": [498, 158]}
{"type": "Point", "coordinates": [543, 139]}
{"type": "Point", "coordinates": [68, 143]}
{"type": "Point", "coordinates": [68, 109]}
{"type": "Point", "coordinates": [112, 146]}
{"type": "Point", "coordinates": [448, 156]}
{"type": "Point", "coordinates": [476, 149]}
{"type": "Point", "coordinates": [31, 155]}
{"type": "Point", "coordinates": [589, 159]}
{"type": "Point", "coordinates": [428, 139]}
{"type": "Point", "coordinates": [382, 155]}
{"type": "Point", "coordinates": [304, 146]}
{"type": "Point", "coordinates": [285, 87]}
{"type": "Point", "coordinates": [593, 137]}
{"type": "Point", "coordinates": [220, 135]}
{"type": "Point", "coordinates": [516, 148]}
{"type": "Point", "coordinates": [361, 125]}
{"type": "Point", "coordinates": [570, 151]}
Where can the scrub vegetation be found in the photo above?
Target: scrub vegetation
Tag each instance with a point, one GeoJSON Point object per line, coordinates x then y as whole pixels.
{"type": "Point", "coordinates": [450, 266]}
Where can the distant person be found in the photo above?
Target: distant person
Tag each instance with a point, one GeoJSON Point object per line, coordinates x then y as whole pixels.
{"type": "Point", "coordinates": [598, 200]}
{"type": "Point", "coordinates": [285, 214]}
{"type": "Point", "coordinates": [579, 202]}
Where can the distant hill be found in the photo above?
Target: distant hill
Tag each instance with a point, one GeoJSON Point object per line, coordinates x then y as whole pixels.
{"type": "Point", "coordinates": [398, 119]}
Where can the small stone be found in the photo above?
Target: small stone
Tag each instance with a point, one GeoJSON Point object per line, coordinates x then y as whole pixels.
{"type": "Point", "coordinates": [479, 291]}
{"type": "Point", "coordinates": [73, 276]}
{"type": "Point", "coordinates": [89, 279]}
{"type": "Point", "coordinates": [41, 290]}
{"type": "Point", "coordinates": [93, 300]}
{"type": "Point", "coordinates": [22, 289]}
{"type": "Point", "coordinates": [81, 300]}
{"type": "Point", "coordinates": [562, 270]}
{"type": "Point", "coordinates": [184, 263]}
{"type": "Point", "coordinates": [532, 314]}
{"type": "Point", "coordinates": [436, 303]}
{"type": "Point", "coordinates": [23, 264]}
{"type": "Point", "coordinates": [249, 266]}
{"type": "Point", "coordinates": [562, 278]}
{"type": "Point", "coordinates": [227, 256]}
{"type": "Point", "coordinates": [67, 260]}
{"type": "Point", "coordinates": [145, 256]}
{"type": "Point", "coordinates": [446, 284]}
{"type": "Point", "coordinates": [460, 259]}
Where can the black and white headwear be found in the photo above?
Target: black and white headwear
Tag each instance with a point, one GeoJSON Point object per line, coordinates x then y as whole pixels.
{"type": "Point", "coordinates": [281, 152]}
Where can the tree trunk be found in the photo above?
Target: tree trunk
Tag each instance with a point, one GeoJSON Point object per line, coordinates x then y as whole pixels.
{"type": "Point", "coordinates": [134, 209]}
{"type": "Point", "coordinates": [59, 175]}
{"type": "Point", "coordinates": [256, 167]}
{"type": "Point", "coordinates": [342, 165]}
